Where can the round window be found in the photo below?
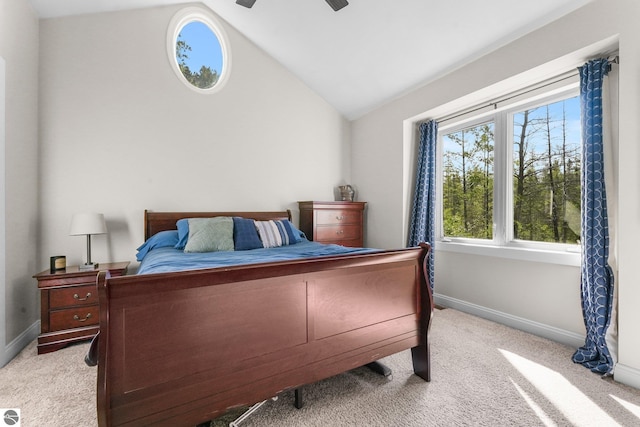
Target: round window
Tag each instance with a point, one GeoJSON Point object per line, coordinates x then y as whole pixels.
{"type": "Point", "coordinates": [197, 50]}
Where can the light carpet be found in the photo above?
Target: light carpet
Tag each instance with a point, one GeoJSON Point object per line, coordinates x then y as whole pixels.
{"type": "Point", "coordinates": [483, 374]}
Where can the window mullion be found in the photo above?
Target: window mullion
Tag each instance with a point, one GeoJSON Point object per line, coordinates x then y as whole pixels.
{"type": "Point", "coordinates": [502, 168]}
{"type": "Point", "coordinates": [439, 232]}
{"type": "Point", "coordinates": [508, 208]}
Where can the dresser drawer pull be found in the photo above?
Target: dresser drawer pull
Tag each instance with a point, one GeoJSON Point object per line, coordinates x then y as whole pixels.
{"type": "Point", "coordinates": [87, 317]}
{"type": "Point", "coordinates": [340, 218]}
{"type": "Point", "coordinates": [340, 232]}
{"type": "Point", "coordinates": [76, 296]}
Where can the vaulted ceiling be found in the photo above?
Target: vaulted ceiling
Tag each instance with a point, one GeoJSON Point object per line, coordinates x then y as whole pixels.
{"type": "Point", "coordinates": [369, 52]}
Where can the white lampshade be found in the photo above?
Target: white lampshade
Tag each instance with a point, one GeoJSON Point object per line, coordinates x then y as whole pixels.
{"type": "Point", "coordinates": [87, 224]}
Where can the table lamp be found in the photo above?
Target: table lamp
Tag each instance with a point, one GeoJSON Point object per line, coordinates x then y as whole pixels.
{"type": "Point", "coordinates": [88, 224]}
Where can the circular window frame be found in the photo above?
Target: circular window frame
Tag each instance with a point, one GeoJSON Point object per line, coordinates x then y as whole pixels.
{"type": "Point", "coordinates": [182, 18]}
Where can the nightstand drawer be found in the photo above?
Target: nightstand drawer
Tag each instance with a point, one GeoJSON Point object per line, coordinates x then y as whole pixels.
{"type": "Point", "coordinates": [332, 217]}
{"type": "Point", "coordinates": [73, 296]}
{"type": "Point", "coordinates": [69, 309]}
{"type": "Point", "coordinates": [338, 232]}
{"type": "Point", "coordinates": [73, 318]}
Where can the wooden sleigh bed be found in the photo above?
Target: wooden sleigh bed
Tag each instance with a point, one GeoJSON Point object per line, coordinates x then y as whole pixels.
{"type": "Point", "coordinates": [181, 348]}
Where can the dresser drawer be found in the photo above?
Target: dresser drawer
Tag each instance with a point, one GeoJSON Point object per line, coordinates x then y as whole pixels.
{"type": "Point", "coordinates": [338, 232]}
{"type": "Point", "coordinates": [73, 318]}
{"type": "Point", "coordinates": [337, 216]}
{"type": "Point", "coordinates": [341, 223]}
{"type": "Point", "coordinates": [73, 296]}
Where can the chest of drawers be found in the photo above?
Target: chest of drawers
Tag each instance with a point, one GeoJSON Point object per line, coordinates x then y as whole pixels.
{"type": "Point", "coordinates": [341, 223]}
{"type": "Point", "coordinates": [69, 305]}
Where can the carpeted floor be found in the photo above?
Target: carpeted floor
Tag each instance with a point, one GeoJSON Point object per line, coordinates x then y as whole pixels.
{"type": "Point", "coordinates": [483, 374]}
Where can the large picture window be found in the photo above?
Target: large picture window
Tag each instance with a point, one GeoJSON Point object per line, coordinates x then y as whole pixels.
{"type": "Point", "coordinates": [511, 176]}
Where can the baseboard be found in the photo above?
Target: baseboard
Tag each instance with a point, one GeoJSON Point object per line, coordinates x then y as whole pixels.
{"type": "Point", "coordinates": [562, 336]}
{"type": "Point", "coordinates": [627, 375]}
{"type": "Point", "coordinates": [20, 342]}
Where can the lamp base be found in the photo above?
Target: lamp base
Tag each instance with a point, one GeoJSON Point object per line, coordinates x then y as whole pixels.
{"type": "Point", "coordinates": [88, 266]}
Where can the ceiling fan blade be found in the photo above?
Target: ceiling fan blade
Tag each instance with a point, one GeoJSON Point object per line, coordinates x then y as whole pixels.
{"type": "Point", "coordinates": [337, 4]}
{"type": "Point", "coordinates": [245, 3]}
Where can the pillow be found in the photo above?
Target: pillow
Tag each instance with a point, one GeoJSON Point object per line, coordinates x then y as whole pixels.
{"type": "Point", "coordinates": [297, 234]}
{"type": "Point", "coordinates": [210, 234]}
{"type": "Point", "coordinates": [159, 240]}
{"type": "Point", "coordinates": [245, 235]}
{"type": "Point", "coordinates": [183, 233]}
{"type": "Point", "coordinates": [290, 230]}
{"type": "Point", "coordinates": [276, 233]}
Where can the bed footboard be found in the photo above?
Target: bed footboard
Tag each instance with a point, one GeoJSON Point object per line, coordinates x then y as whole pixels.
{"type": "Point", "coordinates": [183, 348]}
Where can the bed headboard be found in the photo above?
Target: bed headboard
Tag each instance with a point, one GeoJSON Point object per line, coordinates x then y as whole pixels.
{"type": "Point", "coordinates": [161, 221]}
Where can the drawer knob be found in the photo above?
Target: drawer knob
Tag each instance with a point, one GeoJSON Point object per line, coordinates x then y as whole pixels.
{"type": "Point", "coordinates": [340, 218]}
{"type": "Point", "coordinates": [76, 296]}
{"type": "Point", "coordinates": [340, 232]}
{"type": "Point", "coordinates": [87, 317]}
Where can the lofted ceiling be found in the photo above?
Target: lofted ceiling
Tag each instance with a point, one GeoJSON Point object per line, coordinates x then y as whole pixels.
{"type": "Point", "coordinates": [369, 52]}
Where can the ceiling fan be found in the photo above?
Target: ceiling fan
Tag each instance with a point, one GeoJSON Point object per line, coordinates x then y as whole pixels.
{"type": "Point", "coordinates": [335, 4]}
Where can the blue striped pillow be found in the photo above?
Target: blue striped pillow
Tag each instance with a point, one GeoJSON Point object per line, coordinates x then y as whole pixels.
{"type": "Point", "coordinates": [276, 233]}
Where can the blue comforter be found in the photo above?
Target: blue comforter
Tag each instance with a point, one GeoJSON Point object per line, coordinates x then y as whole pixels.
{"type": "Point", "coordinates": [168, 259]}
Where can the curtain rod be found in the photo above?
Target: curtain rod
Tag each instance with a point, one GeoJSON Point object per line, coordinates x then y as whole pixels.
{"type": "Point", "coordinates": [494, 103]}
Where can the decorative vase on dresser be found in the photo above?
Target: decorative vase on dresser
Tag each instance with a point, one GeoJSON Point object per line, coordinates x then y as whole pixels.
{"type": "Point", "coordinates": [69, 305]}
{"type": "Point", "coordinates": [341, 223]}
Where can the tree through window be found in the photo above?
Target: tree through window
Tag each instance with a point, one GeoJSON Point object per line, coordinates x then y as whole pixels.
{"type": "Point", "coordinates": [198, 50]}
{"type": "Point", "coordinates": [546, 173]}
{"type": "Point", "coordinates": [540, 192]}
{"type": "Point", "coordinates": [199, 55]}
{"type": "Point", "coordinates": [468, 182]}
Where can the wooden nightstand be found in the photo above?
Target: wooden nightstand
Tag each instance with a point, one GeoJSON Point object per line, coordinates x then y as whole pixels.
{"type": "Point", "coordinates": [69, 305]}
{"type": "Point", "coordinates": [340, 223]}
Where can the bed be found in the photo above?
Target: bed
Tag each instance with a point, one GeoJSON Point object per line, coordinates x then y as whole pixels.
{"type": "Point", "coordinates": [183, 347]}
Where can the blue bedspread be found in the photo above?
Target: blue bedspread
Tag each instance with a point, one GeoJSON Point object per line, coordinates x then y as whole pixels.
{"type": "Point", "coordinates": [162, 260]}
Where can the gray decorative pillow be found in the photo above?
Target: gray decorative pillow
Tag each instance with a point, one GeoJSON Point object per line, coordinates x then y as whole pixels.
{"type": "Point", "coordinates": [210, 234]}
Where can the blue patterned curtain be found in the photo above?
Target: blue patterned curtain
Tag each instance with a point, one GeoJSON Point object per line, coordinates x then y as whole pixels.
{"type": "Point", "coordinates": [596, 274]}
{"type": "Point", "coordinates": [422, 226]}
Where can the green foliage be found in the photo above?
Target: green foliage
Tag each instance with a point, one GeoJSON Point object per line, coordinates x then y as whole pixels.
{"type": "Point", "coordinates": [546, 179]}
{"type": "Point", "coordinates": [203, 79]}
{"type": "Point", "coordinates": [468, 183]}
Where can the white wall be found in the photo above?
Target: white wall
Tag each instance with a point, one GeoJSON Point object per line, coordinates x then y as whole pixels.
{"type": "Point", "coordinates": [19, 169]}
{"type": "Point", "coordinates": [535, 296]}
{"type": "Point", "coordinates": [629, 191]}
{"type": "Point", "coordinates": [3, 252]}
{"type": "Point", "coordinates": [120, 133]}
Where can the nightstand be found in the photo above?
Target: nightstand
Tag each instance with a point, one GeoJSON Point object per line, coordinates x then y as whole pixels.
{"type": "Point", "coordinates": [341, 223]}
{"type": "Point", "coordinates": [69, 310]}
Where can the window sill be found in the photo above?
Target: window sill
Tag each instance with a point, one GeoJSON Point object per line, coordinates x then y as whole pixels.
{"type": "Point", "coordinates": [561, 257]}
